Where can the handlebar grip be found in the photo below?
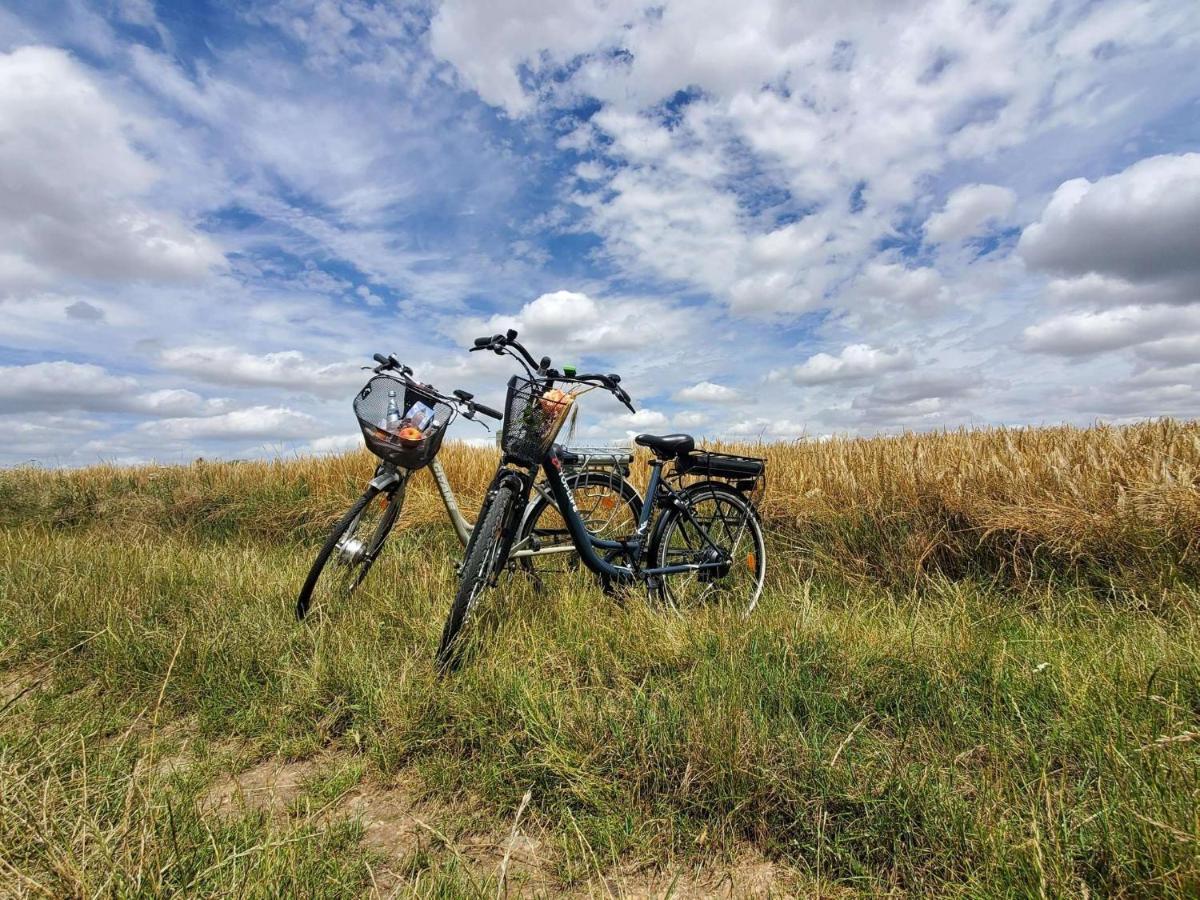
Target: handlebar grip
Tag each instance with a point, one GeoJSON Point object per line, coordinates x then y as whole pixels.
{"type": "Point", "coordinates": [483, 341]}
{"type": "Point", "coordinates": [489, 412]}
{"type": "Point", "coordinates": [380, 358]}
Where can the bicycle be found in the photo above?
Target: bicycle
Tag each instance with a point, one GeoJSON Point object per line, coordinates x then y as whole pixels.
{"type": "Point", "coordinates": [358, 538]}
{"type": "Point", "coordinates": [706, 546]}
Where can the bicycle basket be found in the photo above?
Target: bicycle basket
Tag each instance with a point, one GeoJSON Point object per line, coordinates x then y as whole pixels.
{"type": "Point", "coordinates": [370, 407]}
{"type": "Point", "coordinates": [532, 419]}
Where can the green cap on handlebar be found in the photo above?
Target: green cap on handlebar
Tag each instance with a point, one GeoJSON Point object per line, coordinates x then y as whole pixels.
{"type": "Point", "coordinates": [569, 371]}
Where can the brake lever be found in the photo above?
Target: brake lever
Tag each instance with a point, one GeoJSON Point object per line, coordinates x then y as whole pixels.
{"type": "Point", "coordinates": [470, 414]}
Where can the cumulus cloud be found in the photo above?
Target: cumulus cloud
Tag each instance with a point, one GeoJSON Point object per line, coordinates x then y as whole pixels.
{"type": "Point", "coordinates": [1140, 225]}
{"type": "Point", "coordinates": [284, 369]}
{"type": "Point", "coordinates": [917, 399]}
{"type": "Point", "coordinates": [642, 420]}
{"type": "Point", "coordinates": [63, 385]}
{"type": "Point", "coordinates": [74, 185]}
{"type": "Point", "coordinates": [855, 362]}
{"type": "Point", "coordinates": [265, 422]}
{"type": "Point", "coordinates": [967, 210]}
{"type": "Point", "coordinates": [575, 321]}
{"type": "Point", "coordinates": [1086, 333]}
{"type": "Point", "coordinates": [891, 291]}
{"type": "Point", "coordinates": [707, 392]}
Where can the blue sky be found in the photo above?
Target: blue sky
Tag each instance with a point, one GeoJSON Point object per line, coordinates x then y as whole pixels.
{"type": "Point", "coordinates": [776, 220]}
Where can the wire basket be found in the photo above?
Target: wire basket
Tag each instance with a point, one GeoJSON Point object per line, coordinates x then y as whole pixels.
{"type": "Point", "coordinates": [532, 419]}
{"type": "Point", "coordinates": [370, 407]}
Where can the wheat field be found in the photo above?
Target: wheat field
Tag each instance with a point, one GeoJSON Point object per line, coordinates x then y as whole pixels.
{"type": "Point", "coordinates": [975, 672]}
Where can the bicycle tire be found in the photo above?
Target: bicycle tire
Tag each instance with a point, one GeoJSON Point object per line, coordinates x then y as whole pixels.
{"type": "Point", "coordinates": [480, 565]}
{"type": "Point", "coordinates": [378, 537]}
{"type": "Point", "coordinates": [628, 494]}
{"type": "Point", "coordinates": [674, 522]}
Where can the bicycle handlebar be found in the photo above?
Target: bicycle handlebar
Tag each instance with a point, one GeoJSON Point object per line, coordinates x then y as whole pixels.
{"type": "Point", "coordinates": [488, 411]}
{"type": "Point", "coordinates": [469, 407]}
{"type": "Point", "coordinates": [506, 343]}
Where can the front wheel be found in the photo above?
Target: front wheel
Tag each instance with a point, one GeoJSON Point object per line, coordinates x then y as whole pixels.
{"type": "Point", "coordinates": [350, 550]}
{"type": "Point", "coordinates": [723, 534]}
{"type": "Point", "coordinates": [479, 568]}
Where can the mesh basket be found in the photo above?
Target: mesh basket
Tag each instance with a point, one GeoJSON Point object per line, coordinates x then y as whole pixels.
{"type": "Point", "coordinates": [370, 406]}
{"type": "Point", "coordinates": [531, 420]}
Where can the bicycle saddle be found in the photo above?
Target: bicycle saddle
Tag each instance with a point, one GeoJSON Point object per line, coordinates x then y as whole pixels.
{"type": "Point", "coordinates": [667, 446]}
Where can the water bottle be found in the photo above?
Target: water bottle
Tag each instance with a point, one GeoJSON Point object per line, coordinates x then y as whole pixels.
{"type": "Point", "coordinates": [392, 422]}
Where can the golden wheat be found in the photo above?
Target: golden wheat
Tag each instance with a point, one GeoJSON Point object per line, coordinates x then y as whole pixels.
{"type": "Point", "coordinates": [1116, 499]}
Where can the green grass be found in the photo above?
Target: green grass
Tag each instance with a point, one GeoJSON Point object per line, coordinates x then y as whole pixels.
{"type": "Point", "coordinates": [958, 739]}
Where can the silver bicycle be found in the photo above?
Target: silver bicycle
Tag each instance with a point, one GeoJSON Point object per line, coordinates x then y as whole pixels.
{"type": "Point", "coordinates": [596, 477]}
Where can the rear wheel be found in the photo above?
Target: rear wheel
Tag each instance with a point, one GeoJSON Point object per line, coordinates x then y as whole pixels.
{"type": "Point", "coordinates": [350, 550]}
{"type": "Point", "coordinates": [479, 568]}
{"type": "Point", "coordinates": [608, 504]}
{"type": "Point", "coordinates": [726, 532]}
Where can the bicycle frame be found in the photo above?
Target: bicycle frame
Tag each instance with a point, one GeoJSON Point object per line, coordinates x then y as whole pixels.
{"type": "Point", "coordinates": [387, 477]}
{"type": "Point", "coordinates": [634, 546]}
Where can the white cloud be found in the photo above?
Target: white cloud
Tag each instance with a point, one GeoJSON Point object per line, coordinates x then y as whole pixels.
{"type": "Point", "coordinates": [690, 419]}
{"type": "Point", "coordinates": [66, 385]}
{"type": "Point", "coordinates": [337, 443]}
{"type": "Point", "coordinates": [1140, 225]}
{"type": "Point", "coordinates": [1086, 333]}
{"type": "Point", "coordinates": [274, 423]}
{"type": "Point", "coordinates": [856, 362]}
{"type": "Point", "coordinates": [642, 420]}
{"type": "Point", "coordinates": [74, 185]}
{"type": "Point", "coordinates": [968, 209]}
{"type": "Point", "coordinates": [707, 392]}
{"type": "Point", "coordinates": [1103, 290]}
{"type": "Point", "coordinates": [574, 321]}
{"type": "Point", "coordinates": [891, 291]}
{"type": "Point", "coordinates": [284, 369]}
{"type": "Point", "coordinates": [764, 428]}
{"type": "Point", "coordinates": [488, 42]}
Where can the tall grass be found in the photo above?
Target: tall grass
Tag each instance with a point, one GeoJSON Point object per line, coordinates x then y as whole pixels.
{"type": "Point", "coordinates": [1117, 507]}
{"type": "Point", "coordinates": [936, 696]}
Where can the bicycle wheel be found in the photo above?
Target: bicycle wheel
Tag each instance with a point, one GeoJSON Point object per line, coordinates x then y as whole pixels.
{"type": "Point", "coordinates": [350, 550]}
{"type": "Point", "coordinates": [732, 526]}
{"type": "Point", "coordinates": [481, 564]}
{"type": "Point", "coordinates": [608, 504]}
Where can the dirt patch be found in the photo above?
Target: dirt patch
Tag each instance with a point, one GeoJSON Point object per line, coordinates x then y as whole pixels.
{"type": "Point", "coordinates": [19, 682]}
{"type": "Point", "coordinates": [752, 877]}
{"type": "Point", "coordinates": [399, 823]}
{"type": "Point", "coordinates": [270, 786]}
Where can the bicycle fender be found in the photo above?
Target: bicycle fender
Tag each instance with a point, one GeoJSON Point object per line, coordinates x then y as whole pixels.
{"type": "Point", "coordinates": [385, 480]}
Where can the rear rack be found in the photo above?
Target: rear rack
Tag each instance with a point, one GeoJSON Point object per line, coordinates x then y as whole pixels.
{"type": "Point", "coordinates": [747, 473]}
{"type": "Point", "coordinates": [596, 458]}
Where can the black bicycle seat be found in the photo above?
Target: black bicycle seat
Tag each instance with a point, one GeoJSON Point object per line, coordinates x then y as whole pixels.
{"type": "Point", "coordinates": [667, 446]}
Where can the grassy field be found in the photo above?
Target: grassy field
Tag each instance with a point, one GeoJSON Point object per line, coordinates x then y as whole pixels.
{"type": "Point", "coordinates": [975, 672]}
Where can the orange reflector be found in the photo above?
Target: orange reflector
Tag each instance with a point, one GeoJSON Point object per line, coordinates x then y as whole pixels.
{"type": "Point", "coordinates": [751, 562]}
{"type": "Point", "coordinates": [607, 502]}
{"type": "Point", "coordinates": [384, 500]}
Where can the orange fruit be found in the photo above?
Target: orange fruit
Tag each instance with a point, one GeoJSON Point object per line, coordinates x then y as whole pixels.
{"type": "Point", "coordinates": [410, 436]}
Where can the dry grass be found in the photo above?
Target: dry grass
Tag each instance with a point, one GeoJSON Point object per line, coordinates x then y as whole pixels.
{"type": "Point", "coordinates": [1003, 730]}
{"type": "Point", "coordinates": [1114, 506]}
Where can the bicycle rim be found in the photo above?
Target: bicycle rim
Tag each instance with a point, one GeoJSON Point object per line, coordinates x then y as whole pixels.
{"type": "Point", "coordinates": [731, 525]}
